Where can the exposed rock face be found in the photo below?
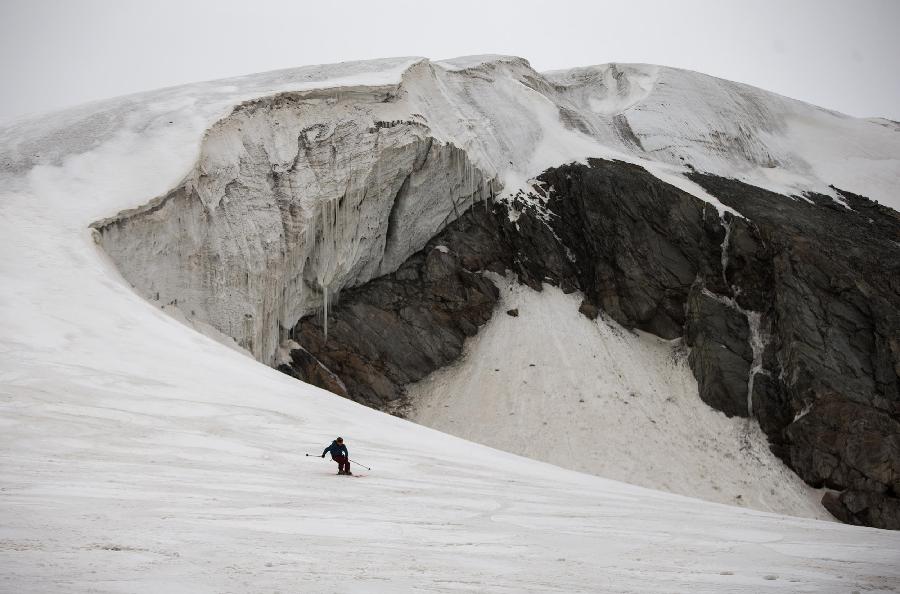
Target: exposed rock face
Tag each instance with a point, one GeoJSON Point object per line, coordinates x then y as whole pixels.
{"type": "Point", "coordinates": [589, 310]}
{"type": "Point", "coordinates": [721, 355]}
{"type": "Point", "coordinates": [864, 508]}
{"type": "Point", "coordinates": [825, 279]}
{"type": "Point", "coordinates": [305, 367]}
{"type": "Point", "coordinates": [791, 311]}
{"type": "Point", "coordinates": [400, 327]}
{"type": "Point", "coordinates": [646, 243]}
{"type": "Point", "coordinates": [637, 244]}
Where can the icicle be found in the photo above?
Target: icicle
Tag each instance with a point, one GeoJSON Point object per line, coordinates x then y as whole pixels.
{"type": "Point", "coordinates": [325, 309]}
{"type": "Point", "coordinates": [327, 254]}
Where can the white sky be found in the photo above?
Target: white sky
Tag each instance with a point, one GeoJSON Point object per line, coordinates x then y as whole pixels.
{"type": "Point", "coordinates": [56, 53]}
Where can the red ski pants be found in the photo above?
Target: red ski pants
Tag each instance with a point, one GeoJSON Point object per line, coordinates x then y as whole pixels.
{"type": "Point", "coordinates": [343, 463]}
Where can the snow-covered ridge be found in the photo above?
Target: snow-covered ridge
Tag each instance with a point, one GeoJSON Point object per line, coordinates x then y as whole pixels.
{"type": "Point", "coordinates": [47, 139]}
{"type": "Point", "coordinates": [677, 116]}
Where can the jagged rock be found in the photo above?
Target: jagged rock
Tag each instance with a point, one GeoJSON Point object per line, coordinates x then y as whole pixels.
{"type": "Point", "coordinates": [537, 256]}
{"type": "Point", "coordinates": [842, 444]}
{"type": "Point", "coordinates": [771, 407]}
{"type": "Point", "coordinates": [402, 326]}
{"type": "Point", "coordinates": [826, 278]}
{"type": "Point", "coordinates": [513, 312]}
{"type": "Point", "coordinates": [864, 508]}
{"type": "Point", "coordinates": [307, 368]}
{"type": "Point", "coordinates": [638, 243]}
{"type": "Point", "coordinates": [588, 310]}
{"type": "Point", "coordinates": [670, 254]}
{"type": "Point", "coordinates": [720, 354]}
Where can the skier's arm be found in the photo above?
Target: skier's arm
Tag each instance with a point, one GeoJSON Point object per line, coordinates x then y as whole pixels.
{"type": "Point", "coordinates": [326, 451]}
{"type": "Point", "coordinates": [346, 453]}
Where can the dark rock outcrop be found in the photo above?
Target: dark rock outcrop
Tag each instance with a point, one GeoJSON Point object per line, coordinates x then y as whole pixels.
{"type": "Point", "coordinates": [819, 281]}
{"type": "Point", "coordinates": [588, 310]}
{"type": "Point", "coordinates": [721, 356]}
{"type": "Point", "coordinates": [305, 367]}
{"type": "Point", "coordinates": [792, 310]}
{"type": "Point", "coordinates": [400, 327]}
{"type": "Point", "coordinates": [863, 508]}
{"type": "Point", "coordinates": [827, 279]}
{"type": "Point", "coordinates": [637, 243]}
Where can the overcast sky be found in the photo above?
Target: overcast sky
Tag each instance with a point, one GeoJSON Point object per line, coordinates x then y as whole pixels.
{"type": "Point", "coordinates": [56, 53]}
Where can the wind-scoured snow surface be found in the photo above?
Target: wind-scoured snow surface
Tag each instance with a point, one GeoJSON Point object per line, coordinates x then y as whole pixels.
{"type": "Point", "coordinates": [137, 455]}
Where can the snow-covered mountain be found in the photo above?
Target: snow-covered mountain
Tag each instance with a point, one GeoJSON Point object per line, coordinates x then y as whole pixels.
{"type": "Point", "coordinates": [140, 454]}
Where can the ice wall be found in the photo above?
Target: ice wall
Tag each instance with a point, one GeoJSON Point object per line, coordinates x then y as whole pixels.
{"type": "Point", "coordinates": [295, 197]}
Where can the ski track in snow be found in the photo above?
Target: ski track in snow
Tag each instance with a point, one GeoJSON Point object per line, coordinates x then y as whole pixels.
{"type": "Point", "coordinates": [137, 455]}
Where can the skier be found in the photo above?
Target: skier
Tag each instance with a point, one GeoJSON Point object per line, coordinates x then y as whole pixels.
{"type": "Point", "coordinates": [340, 455]}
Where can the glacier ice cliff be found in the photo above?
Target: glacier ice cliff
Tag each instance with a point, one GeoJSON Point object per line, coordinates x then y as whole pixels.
{"type": "Point", "coordinates": [294, 199]}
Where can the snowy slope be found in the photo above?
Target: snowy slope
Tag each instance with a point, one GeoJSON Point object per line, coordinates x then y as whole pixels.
{"type": "Point", "coordinates": [554, 386]}
{"type": "Point", "coordinates": [139, 456]}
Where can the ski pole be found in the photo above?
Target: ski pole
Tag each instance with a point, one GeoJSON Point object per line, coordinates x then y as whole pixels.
{"type": "Point", "coordinates": [314, 456]}
{"type": "Point", "coordinates": [358, 464]}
